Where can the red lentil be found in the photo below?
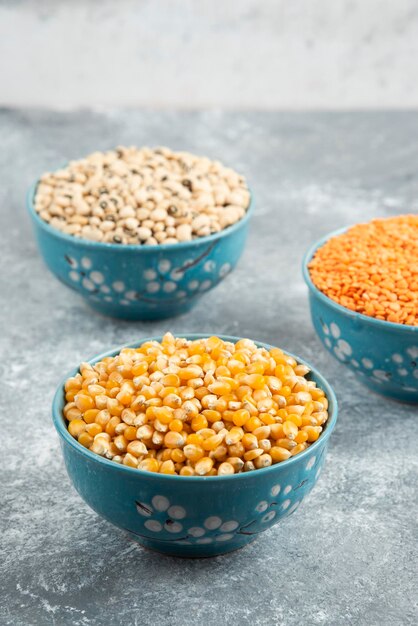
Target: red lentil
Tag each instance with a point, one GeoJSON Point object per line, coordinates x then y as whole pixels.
{"type": "Point", "coordinates": [372, 269]}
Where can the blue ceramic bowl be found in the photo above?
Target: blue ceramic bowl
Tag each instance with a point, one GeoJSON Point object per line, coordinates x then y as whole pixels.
{"type": "Point", "coordinates": [192, 516]}
{"type": "Point", "coordinates": [383, 355]}
{"type": "Point", "coordinates": [140, 282]}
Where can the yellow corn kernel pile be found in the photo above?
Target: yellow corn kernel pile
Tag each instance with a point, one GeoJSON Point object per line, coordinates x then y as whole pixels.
{"type": "Point", "coordinates": [195, 408]}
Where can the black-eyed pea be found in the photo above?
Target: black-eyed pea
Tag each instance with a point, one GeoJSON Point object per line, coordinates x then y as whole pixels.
{"type": "Point", "coordinates": [228, 217]}
{"type": "Point", "coordinates": [200, 222]}
{"type": "Point", "coordinates": [142, 214]}
{"type": "Point", "coordinates": [127, 211]}
{"type": "Point", "coordinates": [57, 223]}
{"type": "Point", "coordinates": [184, 232]}
{"type": "Point", "coordinates": [158, 227]}
{"type": "Point", "coordinates": [160, 236]}
{"type": "Point", "coordinates": [107, 225]}
{"type": "Point", "coordinates": [144, 233]}
{"type": "Point", "coordinates": [141, 196]}
{"type": "Point", "coordinates": [91, 233]}
{"type": "Point", "coordinates": [97, 211]}
{"type": "Point", "coordinates": [72, 229]}
{"type": "Point", "coordinates": [220, 195]}
{"type": "Point", "coordinates": [78, 219]}
{"type": "Point", "coordinates": [169, 233]}
{"type": "Point", "coordinates": [56, 210]}
{"type": "Point", "coordinates": [131, 223]}
{"type": "Point", "coordinates": [158, 215]}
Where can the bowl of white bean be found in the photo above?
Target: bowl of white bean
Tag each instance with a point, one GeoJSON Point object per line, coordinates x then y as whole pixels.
{"type": "Point", "coordinates": [141, 233]}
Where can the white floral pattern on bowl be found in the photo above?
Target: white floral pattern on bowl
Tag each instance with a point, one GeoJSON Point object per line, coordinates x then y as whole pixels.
{"type": "Point", "coordinates": [163, 279]}
{"type": "Point", "coordinates": [162, 516]}
{"type": "Point", "coordinates": [402, 363]}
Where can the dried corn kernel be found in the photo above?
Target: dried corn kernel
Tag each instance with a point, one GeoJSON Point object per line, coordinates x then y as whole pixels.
{"type": "Point", "coordinates": [279, 454]}
{"type": "Point", "coordinates": [149, 465]}
{"type": "Point", "coordinates": [92, 429]}
{"type": "Point", "coordinates": [85, 439]}
{"type": "Point", "coordinates": [76, 427]}
{"type": "Point", "coordinates": [225, 469]}
{"type": "Point", "coordinates": [195, 408]}
{"type": "Point", "coordinates": [84, 402]}
{"type": "Point", "coordinates": [174, 440]}
{"type": "Point", "coordinates": [137, 448]}
{"type": "Point", "coordinates": [203, 466]}
{"type": "Point", "coordinates": [167, 467]}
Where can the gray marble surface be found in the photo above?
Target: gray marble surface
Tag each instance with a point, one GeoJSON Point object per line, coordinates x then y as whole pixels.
{"type": "Point", "coordinates": [349, 555]}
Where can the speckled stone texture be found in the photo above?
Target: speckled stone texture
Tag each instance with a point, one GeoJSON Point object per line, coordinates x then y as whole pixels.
{"type": "Point", "coordinates": [349, 555]}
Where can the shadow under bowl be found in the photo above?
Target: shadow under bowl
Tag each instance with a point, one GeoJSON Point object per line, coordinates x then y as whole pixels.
{"type": "Point", "coordinates": [383, 355]}
{"type": "Point", "coordinates": [192, 516]}
{"type": "Point", "coordinates": [140, 282]}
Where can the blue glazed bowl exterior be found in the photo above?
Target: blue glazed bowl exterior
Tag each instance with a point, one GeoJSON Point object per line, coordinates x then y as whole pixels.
{"type": "Point", "coordinates": [140, 282]}
{"type": "Point", "coordinates": [383, 355]}
{"type": "Point", "coordinates": [192, 516]}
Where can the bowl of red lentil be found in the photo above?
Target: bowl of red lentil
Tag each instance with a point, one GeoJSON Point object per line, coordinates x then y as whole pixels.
{"type": "Point", "coordinates": [190, 461]}
{"type": "Point", "coordinates": [141, 233]}
{"type": "Point", "coordinates": [363, 294]}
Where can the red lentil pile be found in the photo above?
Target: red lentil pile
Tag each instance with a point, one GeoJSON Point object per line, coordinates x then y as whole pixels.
{"type": "Point", "coordinates": [372, 269]}
{"type": "Point", "coordinates": [195, 408]}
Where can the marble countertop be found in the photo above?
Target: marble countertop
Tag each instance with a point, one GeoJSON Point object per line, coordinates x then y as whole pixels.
{"type": "Point", "coordinates": [349, 555]}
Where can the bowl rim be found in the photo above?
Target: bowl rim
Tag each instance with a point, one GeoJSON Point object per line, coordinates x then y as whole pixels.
{"type": "Point", "coordinates": [309, 254]}
{"type": "Point", "coordinates": [59, 420]}
{"type": "Point", "coordinates": [132, 248]}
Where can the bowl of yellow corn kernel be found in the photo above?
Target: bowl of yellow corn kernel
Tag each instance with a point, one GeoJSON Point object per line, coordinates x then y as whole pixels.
{"type": "Point", "coordinates": [194, 445]}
